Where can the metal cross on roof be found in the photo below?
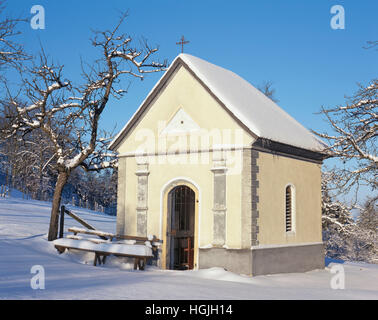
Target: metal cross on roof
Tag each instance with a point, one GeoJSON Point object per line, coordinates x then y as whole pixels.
{"type": "Point", "coordinates": [182, 42]}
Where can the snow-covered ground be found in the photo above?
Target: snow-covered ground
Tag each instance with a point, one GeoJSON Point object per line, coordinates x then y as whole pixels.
{"type": "Point", "coordinates": [23, 244]}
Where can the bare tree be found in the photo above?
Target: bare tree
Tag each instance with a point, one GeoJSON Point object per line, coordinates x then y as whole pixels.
{"type": "Point", "coordinates": [346, 238]}
{"type": "Point", "coordinates": [69, 114]}
{"type": "Point", "coordinates": [28, 163]}
{"type": "Point", "coordinates": [267, 88]}
{"type": "Point", "coordinates": [354, 138]}
{"type": "Point", "coordinates": [338, 227]}
{"type": "Point", "coordinates": [368, 218]}
{"type": "Point", "coordinates": [11, 52]}
{"type": "Point", "coordinates": [371, 44]}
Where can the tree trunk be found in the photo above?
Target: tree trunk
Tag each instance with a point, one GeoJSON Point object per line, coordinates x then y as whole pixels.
{"type": "Point", "coordinates": [54, 219]}
{"type": "Point", "coordinates": [40, 189]}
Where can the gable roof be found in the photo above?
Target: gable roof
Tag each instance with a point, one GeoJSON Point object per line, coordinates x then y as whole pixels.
{"type": "Point", "coordinates": [256, 112]}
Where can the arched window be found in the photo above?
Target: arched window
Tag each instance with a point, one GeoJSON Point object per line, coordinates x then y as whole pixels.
{"type": "Point", "coordinates": [289, 208]}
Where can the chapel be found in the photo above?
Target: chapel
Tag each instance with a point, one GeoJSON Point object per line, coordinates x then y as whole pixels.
{"type": "Point", "coordinates": [221, 174]}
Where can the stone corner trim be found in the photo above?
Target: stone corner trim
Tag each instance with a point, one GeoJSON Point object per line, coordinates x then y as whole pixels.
{"type": "Point", "coordinates": [142, 173]}
{"type": "Point", "coordinates": [255, 197]}
{"type": "Point", "coordinates": [121, 194]}
{"type": "Point", "coordinates": [219, 170]}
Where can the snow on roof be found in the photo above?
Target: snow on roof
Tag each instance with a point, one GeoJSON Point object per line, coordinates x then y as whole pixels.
{"type": "Point", "coordinates": [250, 106]}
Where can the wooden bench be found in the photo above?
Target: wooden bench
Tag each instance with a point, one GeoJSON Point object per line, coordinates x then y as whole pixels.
{"type": "Point", "coordinates": [104, 246]}
{"type": "Point", "coordinates": [102, 250]}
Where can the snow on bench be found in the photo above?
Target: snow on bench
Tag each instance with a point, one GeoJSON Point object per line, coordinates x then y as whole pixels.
{"type": "Point", "coordinates": [95, 240]}
{"type": "Point", "coordinates": [70, 236]}
{"type": "Point", "coordinates": [99, 233]}
{"type": "Point", "coordinates": [113, 248]}
{"type": "Point", "coordinates": [140, 253]}
{"type": "Point", "coordinates": [139, 248]}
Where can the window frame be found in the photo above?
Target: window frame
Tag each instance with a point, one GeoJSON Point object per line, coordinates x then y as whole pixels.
{"type": "Point", "coordinates": [293, 209]}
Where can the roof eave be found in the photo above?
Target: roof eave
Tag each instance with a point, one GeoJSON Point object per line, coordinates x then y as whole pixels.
{"type": "Point", "coordinates": [264, 144]}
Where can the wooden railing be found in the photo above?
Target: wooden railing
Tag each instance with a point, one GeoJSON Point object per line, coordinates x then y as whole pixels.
{"type": "Point", "coordinates": [63, 211]}
{"type": "Point", "coordinates": [92, 230]}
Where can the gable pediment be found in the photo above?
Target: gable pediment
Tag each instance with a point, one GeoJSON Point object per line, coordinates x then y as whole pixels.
{"type": "Point", "coordinates": [199, 110]}
{"type": "Point", "coordinates": [180, 123]}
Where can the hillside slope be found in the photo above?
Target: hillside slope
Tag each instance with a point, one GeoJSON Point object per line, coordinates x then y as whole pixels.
{"type": "Point", "coordinates": [23, 244]}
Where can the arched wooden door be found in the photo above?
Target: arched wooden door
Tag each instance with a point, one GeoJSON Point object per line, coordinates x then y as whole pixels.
{"type": "Point", "coordinates": [181, 217]}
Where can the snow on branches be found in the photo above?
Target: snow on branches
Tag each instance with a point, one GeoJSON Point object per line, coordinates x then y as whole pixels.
{"type": "Point", "coordinates": [69, 113]}
{"type": "Point", "coordinates": [354, 137]}
{"type": "Point", "coordinates": [344, 237]}
{"type": "Point", "coordinates": [11, 53]}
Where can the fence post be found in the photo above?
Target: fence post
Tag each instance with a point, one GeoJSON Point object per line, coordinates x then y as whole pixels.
{"type": "Point", "coordinates": [61, 226]}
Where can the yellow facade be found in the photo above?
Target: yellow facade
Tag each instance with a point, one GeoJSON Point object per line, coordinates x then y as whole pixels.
{"type": "Point", "coordinates": [275, 173]}
{"type": "Point", "coordinates": [184, 92]}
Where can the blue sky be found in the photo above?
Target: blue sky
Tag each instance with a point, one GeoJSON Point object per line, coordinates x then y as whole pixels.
{"type": "Point", "coordinates": [289, 43]}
